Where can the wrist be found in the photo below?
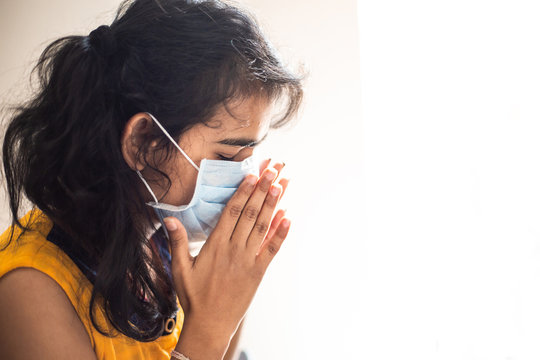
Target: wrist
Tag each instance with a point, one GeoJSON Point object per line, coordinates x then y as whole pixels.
{"type": "Point", "coordinates": [198, 341]}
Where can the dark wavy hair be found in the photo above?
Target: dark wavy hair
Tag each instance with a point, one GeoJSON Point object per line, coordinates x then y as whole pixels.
{"type": "Point", "coordinates": [177, 59]}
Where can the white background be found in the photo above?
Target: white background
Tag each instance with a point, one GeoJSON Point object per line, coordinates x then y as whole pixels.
{"type": "Point", "coordinates": [450, 105]}
{"type": "Point", "coordinates": [414, 198]}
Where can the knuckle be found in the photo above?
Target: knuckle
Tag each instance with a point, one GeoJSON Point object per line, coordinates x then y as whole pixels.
{"type": "Point", "coordinates": [175, 243]}
{"type": "Point", "coordinates": [271, 201]}
{"type": "Point", "coordinates": [261, 228]}
{"type": "Point", "coordinates": [282, 233]}
{"type": "Point", "coordinates": [246, 190]}
{"type": "Point", "coordinates": [273, 248]}
{"type": "Point", "coordinates": [235, 210]}
{"type": "Point", "coordinates": [264, 186]}
{"type": "Point", "coordinates": [251, 213]}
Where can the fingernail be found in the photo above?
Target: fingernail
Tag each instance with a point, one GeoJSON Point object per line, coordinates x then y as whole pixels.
{"type": "Point", "coordinates": [286, 223]}
{"type": "Point", "coordinates": [170, 224]}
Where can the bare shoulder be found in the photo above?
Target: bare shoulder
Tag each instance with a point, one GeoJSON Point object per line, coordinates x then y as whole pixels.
{"type": "Point", "coordinates": [38, 320]}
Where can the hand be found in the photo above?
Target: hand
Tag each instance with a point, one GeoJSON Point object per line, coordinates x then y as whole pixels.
{"type": "Point", "coordinates": [216, 287]}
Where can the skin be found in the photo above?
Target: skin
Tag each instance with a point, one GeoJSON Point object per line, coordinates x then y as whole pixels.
{"type": "Point", "coordinates": [215, 289]}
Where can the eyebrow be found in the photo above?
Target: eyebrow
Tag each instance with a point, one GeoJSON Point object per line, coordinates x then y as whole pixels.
{"type": "Point", "coordinates": [243, 142]}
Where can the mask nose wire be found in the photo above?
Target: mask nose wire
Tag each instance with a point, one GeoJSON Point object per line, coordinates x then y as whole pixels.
{"type": "Point", "coordinates": [174, 142]}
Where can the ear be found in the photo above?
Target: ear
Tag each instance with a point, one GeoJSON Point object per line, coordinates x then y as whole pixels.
{"type": "Point", "coordinates": [133, 135]}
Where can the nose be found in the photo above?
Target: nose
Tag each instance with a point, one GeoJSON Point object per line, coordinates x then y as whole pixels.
{"type": "Point", "coordinates": [244, 153]}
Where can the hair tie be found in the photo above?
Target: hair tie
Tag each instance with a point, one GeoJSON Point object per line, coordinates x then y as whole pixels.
{"type": "Point", "coordinates": [103, 41]}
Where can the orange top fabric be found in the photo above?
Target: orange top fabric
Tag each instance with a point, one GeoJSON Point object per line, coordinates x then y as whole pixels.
{"type": "Point", "coordinates": [35, 251]}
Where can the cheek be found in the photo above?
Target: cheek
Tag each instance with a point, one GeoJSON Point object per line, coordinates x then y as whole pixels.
{"type": "Point", "coordinates": [182, 186]}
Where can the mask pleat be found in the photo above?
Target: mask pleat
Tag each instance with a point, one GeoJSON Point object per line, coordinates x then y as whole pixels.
{"type": "Point", "coordinates": [208, 213]}
{"type": "Point", "coordinates": [216, 195]}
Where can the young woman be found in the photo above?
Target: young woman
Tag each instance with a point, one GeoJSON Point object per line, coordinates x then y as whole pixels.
{"type": "Point", "coordinates": [152, 223]}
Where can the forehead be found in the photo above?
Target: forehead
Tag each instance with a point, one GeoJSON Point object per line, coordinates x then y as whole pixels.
{"type": "Point", "coordinates": [249, 117]}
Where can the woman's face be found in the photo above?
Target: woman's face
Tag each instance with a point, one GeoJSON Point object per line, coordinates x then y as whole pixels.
{"type": "Point", "coordinates": [224, 136]}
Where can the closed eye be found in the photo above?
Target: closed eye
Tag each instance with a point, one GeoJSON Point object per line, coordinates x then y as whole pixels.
{"type": "Point", "coordinates": [225, 158]}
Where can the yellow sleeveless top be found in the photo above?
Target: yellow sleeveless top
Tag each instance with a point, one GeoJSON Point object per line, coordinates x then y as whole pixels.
{"type": "Point", "coordinates": [35, 251]}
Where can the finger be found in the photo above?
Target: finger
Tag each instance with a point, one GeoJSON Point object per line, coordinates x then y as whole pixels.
{"type": "Point", "coordinates": [181, 260]}
{"type": "Point", "coordinates": [275, 222]}
{"type": "Point", "coordinates": [262, 224]}
{"type": "Point", "coordinates": [279, 166]}
{"type": "Point", "coordinates": [271, 246]}
{"type": "Point", "coordinates": [284, 183]}
{"type": "Point", "coordinates": [264, 165]}
{"type": "Point", "coordinates": [273, 226]}
{"type": "Point", "coordinates": [253, 207]}
{"type": "Point", "coordinates": [178, 241]}
{"type": "Point", "coordinates": [232, 211]}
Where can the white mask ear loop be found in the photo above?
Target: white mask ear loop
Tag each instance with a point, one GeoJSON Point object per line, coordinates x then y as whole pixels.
{"type": "Point", "coordinates": [174, 142]}
{"type": "Point", "coordinates": [147, 186]}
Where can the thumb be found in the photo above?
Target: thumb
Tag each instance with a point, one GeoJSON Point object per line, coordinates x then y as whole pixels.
{"type": "Point", "coordinates": [178, 241]}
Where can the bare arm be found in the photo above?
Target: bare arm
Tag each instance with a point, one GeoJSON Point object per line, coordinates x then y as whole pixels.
{"type": "Point", "coordinates": [203, 342]}
{"type": "Point", "coordinates": [232, 350]}
{"type": "Point", "coordinates": [38, 320]}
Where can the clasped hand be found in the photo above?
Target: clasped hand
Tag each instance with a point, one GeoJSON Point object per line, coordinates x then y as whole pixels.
{"type": "Point", "coordinates": [216, 287]}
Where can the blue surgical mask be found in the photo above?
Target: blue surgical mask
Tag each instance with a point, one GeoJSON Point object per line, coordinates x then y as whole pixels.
{"type": "Point", "coordinates": [217, 180]}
